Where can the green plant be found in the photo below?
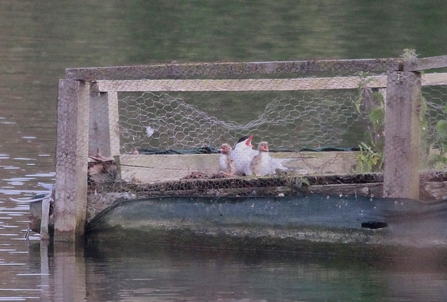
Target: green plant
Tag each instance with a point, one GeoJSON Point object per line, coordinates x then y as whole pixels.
{"type": "Point", "coordinates": [439, 161]}
{"type": "Point", "coordinates": [370, 160]}
{"type": "Point", "coordinates": [371, 156]}
{"type": "Point", "coordinates": [409, 54]}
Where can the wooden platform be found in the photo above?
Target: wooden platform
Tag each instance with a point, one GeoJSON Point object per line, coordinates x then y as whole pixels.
{"type": "Point", "coordinates": [172, 167]}
{"type": "Point", "coordinates": [196, 175]}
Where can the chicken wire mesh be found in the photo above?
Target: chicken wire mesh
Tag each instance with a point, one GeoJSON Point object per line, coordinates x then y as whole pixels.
{"type": "Point", "coordinates": [288, 121]}
{"type": "Point", "coordinates": [434, 127]}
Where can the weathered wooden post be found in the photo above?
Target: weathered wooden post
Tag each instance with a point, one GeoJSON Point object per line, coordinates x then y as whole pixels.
{"type": "Point", "coordinates": [104, 123]}
{"type": "Point", "coordinates": [71, 160]}
{"type": "Point", "coordinates": [402, 134]}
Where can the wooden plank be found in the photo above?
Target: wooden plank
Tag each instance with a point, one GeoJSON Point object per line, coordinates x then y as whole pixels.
{"type": "Point", "coordinates": [104, 123]}
{"type": "Point", "coordinates": [402, 139]}
{"type": "Point", "coordinates": [71, 160]}
{"type": "Point", "coordinates": [114, 127]}
{"type": "Point", "coordinates": [44, 230]}
{"type": "Point", "coordinates": [434, 79]}
{"type": "Point", "coordinates": [430, 79]}
{"type": "Point", "coordinates": [160, 168]}
{"type": "Point", "coordinates": [229, 69]}
{"type": "Point", "coordinates": [426, 63]}
{"type": "Point", "coordinates": [241, 84]}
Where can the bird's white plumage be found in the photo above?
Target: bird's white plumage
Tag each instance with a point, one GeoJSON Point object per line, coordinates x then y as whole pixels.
{"type": "Point", "coordinates": [263, 164]}
{"type": "Point", "coordinates": [242, 156]}
{"type": "Point", "coordinates": [226, 164]}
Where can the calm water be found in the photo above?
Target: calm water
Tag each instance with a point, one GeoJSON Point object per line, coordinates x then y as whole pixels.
{"type": "Point", "coordinates": [39, 39]}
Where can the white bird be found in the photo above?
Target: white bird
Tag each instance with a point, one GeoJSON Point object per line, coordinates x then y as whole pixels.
{"type": "Point", "coordinates": [242, 155]}
{"type": "Point", "coordinates": [263, 164]}
{"type": "Point", "coordinates": [226, 164]}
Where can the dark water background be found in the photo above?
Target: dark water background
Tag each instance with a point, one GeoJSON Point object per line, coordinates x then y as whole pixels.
{"type": "Point", "coordinates": [39, 39]}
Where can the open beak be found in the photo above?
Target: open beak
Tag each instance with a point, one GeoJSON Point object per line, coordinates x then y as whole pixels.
{"type": "Point", "coordinates": [248, 141]}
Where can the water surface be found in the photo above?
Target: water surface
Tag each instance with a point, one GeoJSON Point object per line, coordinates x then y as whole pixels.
{"type": "Point", "coordinates": [39, 39]}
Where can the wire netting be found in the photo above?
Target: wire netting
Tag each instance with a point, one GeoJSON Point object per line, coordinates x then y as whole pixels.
{"type": "Point", "coordinates": [434, 126]}
{"type": "Point", "coordinates": [288, 121]}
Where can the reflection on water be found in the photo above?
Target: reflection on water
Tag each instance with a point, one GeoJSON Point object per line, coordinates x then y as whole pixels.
{"type": "Point", "coordinates": [143, 273]}
{"type": "Point", "coordinates": [39, 39]}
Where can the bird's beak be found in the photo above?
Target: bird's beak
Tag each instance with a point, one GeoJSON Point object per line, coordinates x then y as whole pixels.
{"type": "Point", "coordinates": [248, 141]}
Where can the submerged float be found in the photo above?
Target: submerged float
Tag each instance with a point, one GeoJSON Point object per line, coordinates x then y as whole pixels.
{"type": "Point", "coordinates": [276, 224]}
{"type": "Point", "coordinates": [314, 223]}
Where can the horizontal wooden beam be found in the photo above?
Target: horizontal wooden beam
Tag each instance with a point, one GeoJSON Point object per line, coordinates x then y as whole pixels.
{"type": "Point", "coordinates": [256, 84]}
{"type": "Point", "coordinates": [238, 69]}
{"type": "Point", "coordinates": [230, 69]}
{"type": "Point", "coordinates": [433, 79]}
{"type": "Point", "coordinates": [426, 63]}
{"type": "Point", "coordinates": [241, 84]}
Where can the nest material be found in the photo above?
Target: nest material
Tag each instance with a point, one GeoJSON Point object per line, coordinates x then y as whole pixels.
{"type": "Point", "coordinates": [101, 169]}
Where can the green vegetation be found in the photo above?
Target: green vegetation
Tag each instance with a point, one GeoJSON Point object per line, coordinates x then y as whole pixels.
{"type": "Point", "coordinates": [371, 157]}
{"type": "Point", "coordinates": [409, 54]}
{"type": "Point", "coordinates": [439, 161]}
{"type": "Point", "coordinates": [370, 160]}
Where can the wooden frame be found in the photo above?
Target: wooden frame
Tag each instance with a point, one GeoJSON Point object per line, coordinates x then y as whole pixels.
{"type": "Point", "coordinates": [86, 90]}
